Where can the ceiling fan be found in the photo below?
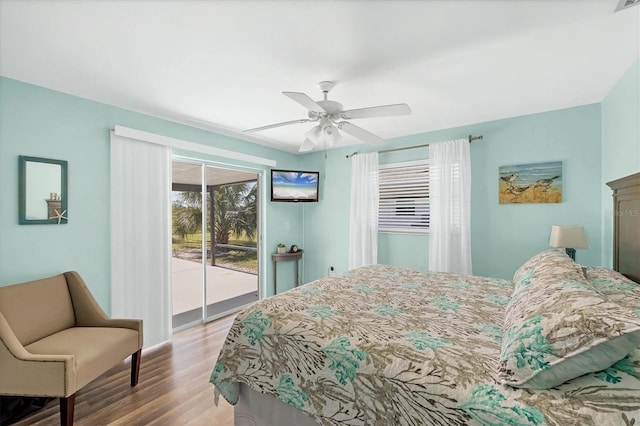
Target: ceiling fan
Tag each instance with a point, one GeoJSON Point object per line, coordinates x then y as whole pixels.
{"type": "Point", "coordinates": [328, 115]}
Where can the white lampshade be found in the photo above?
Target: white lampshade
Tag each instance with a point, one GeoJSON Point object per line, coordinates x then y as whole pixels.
{"type": "Point", "coordinates": [314, 134]}
{"type": "Point", "coordinates": [330, 135]}
{"type": "Point", "coordinates": [306, 146]}
{"type": "Point", "coordinates": [329, 130]}
{"type": "Point", "coordinates": [572, 236]}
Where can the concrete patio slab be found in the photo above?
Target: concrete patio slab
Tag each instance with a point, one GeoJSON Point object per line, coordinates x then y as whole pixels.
{"type": "Point", "coordinates": [222, 284]}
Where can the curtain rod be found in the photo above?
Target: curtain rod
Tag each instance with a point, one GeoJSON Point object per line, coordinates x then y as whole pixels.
{"type": "Point", "coordinates": [471, 139]}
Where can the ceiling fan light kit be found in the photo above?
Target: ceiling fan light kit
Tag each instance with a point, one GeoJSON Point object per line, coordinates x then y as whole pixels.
{"type": "Point", "coordinates": [323, 134]}
{"type": "Point", "coordinates": [327, 113]}
{"type": "Point", "coordinates": [329, 130]}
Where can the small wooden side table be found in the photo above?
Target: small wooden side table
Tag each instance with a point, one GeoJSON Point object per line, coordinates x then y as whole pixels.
{"type": "Point", "coordinates": [285, 257]}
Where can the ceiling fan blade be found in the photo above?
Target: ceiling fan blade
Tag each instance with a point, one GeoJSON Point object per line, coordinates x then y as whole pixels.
{"type": "Point", "coordinates": [271, 126]}
{"type": "Point", "coordinates": [305, 101]}
{"type": "Point", "coordinates": [360, 133]}
{"type": "Point", "coordinates": [378, 111]}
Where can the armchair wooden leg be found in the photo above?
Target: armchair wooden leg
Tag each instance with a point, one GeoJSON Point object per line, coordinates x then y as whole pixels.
{"type": "Point", "coordinates": [66, 410]}
{"type": "Point", "coordinates": [136, 358]}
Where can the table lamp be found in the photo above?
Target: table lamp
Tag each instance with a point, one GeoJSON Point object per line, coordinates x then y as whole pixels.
{"type": "Point", "coordinates": [569, 238]}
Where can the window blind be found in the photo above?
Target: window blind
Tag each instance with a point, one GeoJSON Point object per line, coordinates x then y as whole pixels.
{"type": "Point", "coordinates": [404, 197]}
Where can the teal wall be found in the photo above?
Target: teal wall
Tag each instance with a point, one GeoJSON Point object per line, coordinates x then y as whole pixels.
{"type": "Point", "coordinates": [43, 123]}
{"type": "Point", "coordinates": [620, 146]}
{"type": "Point", "coordinates": [326, 224]}
{"type": "Point", "coordinates": [503, 236]}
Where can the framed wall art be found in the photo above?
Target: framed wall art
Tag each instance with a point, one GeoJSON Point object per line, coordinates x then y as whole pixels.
{"type": "Point", "coordinates": [530, 183]}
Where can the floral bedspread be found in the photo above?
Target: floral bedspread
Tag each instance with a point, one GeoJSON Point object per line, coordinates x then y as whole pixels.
{"type": "Point", "coordinates": [383, 345]}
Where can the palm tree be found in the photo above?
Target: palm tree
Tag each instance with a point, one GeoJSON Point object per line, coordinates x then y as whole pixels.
{"type": "Point", "coordinates": [248, 215]}
{"type": "Point", "coordinates": [235, 212]}
{"type": "Point", "coordinates": [187, 214]}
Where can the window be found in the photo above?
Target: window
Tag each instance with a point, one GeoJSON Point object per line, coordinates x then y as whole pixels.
{"type": "Point", "coordinates": [404, 197]}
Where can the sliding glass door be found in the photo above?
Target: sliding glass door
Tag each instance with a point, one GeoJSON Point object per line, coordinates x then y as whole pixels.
{"type": "Point", "coordinates": [215, 234]}
{"type": "Point", "coordinates": [232, 252]}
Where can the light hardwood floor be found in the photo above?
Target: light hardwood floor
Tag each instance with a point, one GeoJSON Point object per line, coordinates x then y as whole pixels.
{"type": "Point", "coordinates": [174, 387]}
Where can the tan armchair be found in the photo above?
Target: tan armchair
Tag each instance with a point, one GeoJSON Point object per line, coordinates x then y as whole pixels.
{"type": "Point", "coordinates": [55, 339]}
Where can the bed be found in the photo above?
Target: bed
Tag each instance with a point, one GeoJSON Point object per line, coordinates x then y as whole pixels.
{"type": "Point", "coordinates": [383, 345]}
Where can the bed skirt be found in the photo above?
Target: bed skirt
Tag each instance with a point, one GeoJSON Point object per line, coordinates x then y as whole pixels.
{"type": "Point", "coordinates": [257, 409]}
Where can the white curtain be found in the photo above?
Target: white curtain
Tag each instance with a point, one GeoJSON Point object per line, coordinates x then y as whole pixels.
{"type": "Point", "coordinates": [140, 226]}
{"type": "Point", "coordinates": [363, 217]}
{"type": "Point", "coordinates": [450, 199]}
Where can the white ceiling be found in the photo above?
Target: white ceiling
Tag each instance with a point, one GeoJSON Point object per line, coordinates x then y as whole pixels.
{"type": "Point", "coordinates": [222, 65]}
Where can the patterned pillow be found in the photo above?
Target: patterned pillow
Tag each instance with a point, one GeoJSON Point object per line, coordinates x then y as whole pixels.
{"type": "Point", "coordinates": [615, 287]}
{"type": "Point", "coordinates": [558, 327]}
{"type": "Point", "coordinates": [552, 261]}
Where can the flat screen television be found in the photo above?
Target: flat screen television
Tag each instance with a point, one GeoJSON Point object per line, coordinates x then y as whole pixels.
{"type": "Point", "coordinates": [294, 186]}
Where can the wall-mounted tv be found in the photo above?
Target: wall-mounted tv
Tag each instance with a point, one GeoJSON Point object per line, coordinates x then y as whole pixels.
{"type": "Point", "coordinates": [294, 186]}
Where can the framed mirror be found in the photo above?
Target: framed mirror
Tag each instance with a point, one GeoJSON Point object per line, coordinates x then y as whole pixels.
{"type": "Point", "coordinates": [42, 191]}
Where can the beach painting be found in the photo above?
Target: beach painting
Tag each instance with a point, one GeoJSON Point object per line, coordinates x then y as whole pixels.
{"type": "Point", "coordinates": [530, 183]}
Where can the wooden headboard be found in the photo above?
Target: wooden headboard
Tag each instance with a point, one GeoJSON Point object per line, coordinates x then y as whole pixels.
{"type": "Point", "coordinates": [626, 226]}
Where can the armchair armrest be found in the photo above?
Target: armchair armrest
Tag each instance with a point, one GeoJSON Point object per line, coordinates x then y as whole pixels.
{"type": "Point", "coordinates": [24, 373]}
{"type": "Point", "coordinates": [89, 314]}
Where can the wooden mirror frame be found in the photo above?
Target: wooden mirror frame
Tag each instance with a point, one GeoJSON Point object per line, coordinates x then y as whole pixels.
{"type": "Point", "coordinates": [52, 204]}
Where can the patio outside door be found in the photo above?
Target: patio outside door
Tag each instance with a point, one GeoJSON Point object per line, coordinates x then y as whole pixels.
{"type": "Point", "coordinates": [215, 266]}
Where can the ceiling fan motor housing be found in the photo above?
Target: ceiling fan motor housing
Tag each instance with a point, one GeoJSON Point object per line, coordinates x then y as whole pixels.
{"type": "Point", "coordinates": [332, 110]}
